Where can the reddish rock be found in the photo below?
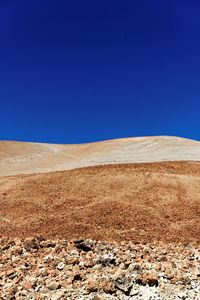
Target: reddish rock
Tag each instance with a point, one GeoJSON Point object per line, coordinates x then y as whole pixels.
{"type": "Point", "coordinates": [91, 285]}
{"type": "Point", "coordinates": [147, 279]}
{"type": "Point", "coordinates": [89, 263]}
{"type": "Point", "coordinates": [31, 245]}
{"type": "Point", "coordinates": [29, 284]}
{"type": "Point", "coordinates": [107, 286]}
{"type": "Point", "coordinates": [54, 285]}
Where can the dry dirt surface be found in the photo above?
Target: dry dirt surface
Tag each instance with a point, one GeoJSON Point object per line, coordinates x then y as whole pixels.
{"type": "Point", "coordinates": [138, 202]}
{"type": "Point", "coordinates": [124, 226]}
{"type": "Point", "coordinates": [27, 158]}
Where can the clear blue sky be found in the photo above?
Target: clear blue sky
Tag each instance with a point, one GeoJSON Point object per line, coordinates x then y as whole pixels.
{"type": "Point", "coordinates": [81, 71]}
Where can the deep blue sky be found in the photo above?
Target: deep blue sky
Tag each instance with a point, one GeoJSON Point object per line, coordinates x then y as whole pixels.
{"type": "Point", "coordinates": [81, 71]}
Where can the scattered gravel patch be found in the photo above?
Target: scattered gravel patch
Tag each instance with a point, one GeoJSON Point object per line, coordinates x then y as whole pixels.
{"type": "Point", "coordinates": [36, 268]}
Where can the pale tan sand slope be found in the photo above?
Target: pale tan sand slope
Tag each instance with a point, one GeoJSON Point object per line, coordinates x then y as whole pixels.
{"type": "Point", "coordinates": [28, 158]}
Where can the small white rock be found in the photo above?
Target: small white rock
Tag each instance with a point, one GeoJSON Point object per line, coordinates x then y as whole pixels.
{"type": "Point", "coordinates": [61, 266]}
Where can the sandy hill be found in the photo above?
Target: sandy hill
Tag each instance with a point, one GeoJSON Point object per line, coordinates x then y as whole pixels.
{"type": "Point", "coordinates": [138, 202]}
{"type": "Point", "coordinates": [115, 200]}
{"type": "Point", "coordinates": [28, 158]}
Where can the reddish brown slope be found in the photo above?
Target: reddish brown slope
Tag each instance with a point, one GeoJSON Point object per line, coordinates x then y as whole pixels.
{"type": "Point", "coordinates": [142, 202]}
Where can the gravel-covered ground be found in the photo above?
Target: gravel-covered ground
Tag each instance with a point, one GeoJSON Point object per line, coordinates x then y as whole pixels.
{"type": "Point", "coordinates": [36, 268]}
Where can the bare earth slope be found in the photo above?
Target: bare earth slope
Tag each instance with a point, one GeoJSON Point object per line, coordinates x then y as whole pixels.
{"type": "Point", "coordinates": [28, 158]}
{"type": "Point", "coordinates": [138, 202]}
{"type": "Point", "coordinates": [140, 195]}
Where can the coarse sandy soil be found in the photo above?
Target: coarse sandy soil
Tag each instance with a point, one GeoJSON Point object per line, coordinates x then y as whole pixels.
{"type": "Point", "coordinates": [137, 202]}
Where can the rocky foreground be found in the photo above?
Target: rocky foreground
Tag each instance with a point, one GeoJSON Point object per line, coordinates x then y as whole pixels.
{"type": "Point", "coordinates": [36, 268]}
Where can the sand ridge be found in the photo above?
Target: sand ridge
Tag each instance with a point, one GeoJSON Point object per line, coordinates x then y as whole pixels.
{"type": "Point", "coordinates": [27, 158]}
